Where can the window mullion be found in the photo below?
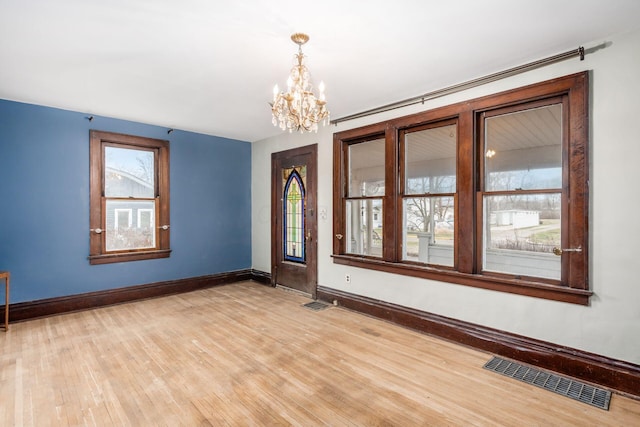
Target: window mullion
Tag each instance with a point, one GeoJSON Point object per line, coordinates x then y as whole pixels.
{"type": "Point", "coordinates": [465, 212]}
{"type": "Point", "coordinates": [401, 192]}
{"type": "Point", "coordinates": [390, 204]}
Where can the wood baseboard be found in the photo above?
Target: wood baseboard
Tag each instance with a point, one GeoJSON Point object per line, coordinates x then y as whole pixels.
{"type": "Point", "coordinates": [65, 304]}
{"type": "Point", "coordinates": [261, 277]}
{"type": "Point", "coordinates": [617, 375]}
{"type": "Point", "coordinates": [620, 376]}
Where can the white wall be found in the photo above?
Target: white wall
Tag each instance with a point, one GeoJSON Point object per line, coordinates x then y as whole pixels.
{"type": "Point", "coordinates": [610, 326]}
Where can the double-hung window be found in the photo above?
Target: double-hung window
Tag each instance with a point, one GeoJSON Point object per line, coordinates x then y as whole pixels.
{"type": "Point", "coordinates": [521, 189]}
{"type": "Point", "coordinates": [365, 191]}
{"type": "Point", "coordinates": [129, 198]}
{"type": "Point", "coordinates": [491, 192]}
{"type": "Point", "coordinates": [428, 193]}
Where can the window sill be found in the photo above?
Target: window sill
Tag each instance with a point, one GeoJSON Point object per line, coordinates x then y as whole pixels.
{"type": "Point", "coordinates": [519, 287]}
{"type": "Point", "coordinates": [128, 256]}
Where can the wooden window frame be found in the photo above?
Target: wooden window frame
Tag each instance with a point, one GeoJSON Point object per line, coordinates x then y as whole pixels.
{"type": "Point", "coordinates": [574, 284]}
{"type": "Point", "coordinates": [345, 168]}
{"type": "Point", "coordinates": [402, 179]}
{"type": "Point", "coordinates": [97, 217]}
{"type": "Point", "coordinates": [482, 191]}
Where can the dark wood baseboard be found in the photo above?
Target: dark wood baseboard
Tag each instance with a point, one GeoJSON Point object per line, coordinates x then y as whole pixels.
{"type": "Point", "coordinates": [617, 375]}
{"type": "Point", "coordinates": [620, 376]}
{"type": "Point", "coordinates": [261, 277]}
{"type": "Point", "coordinates": [65, 304]}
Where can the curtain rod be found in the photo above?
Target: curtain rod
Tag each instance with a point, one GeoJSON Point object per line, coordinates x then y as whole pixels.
{"type": "Point", "coordinates": [471, 83]}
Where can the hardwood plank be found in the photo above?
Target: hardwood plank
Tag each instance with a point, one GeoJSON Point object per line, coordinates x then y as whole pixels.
{"type": "Point", "coordinates": [246, 354]}
{"type": "Point", "coordinates": [579, 364]}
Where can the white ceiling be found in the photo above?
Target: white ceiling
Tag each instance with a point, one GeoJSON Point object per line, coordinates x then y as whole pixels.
{"type": "Point", "coordinates": [210, 66]}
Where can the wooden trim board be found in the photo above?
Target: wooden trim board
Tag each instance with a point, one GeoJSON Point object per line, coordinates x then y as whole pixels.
{"type": "Point", "coordinates": [58, 305]}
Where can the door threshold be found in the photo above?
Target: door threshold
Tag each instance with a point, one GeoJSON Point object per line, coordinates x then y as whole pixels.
{"type": "Point", "coordinates": [295, 291]}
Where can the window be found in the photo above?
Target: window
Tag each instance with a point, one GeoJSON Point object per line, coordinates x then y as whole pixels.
{"type": "Point", "coordinates": [522, 189]}
{"type": "Point", "coordinates": [428, 187]}
{"type": "Point", "coordinates": [365, 192]}
{"type": "Point", "coordinates": [293, 208]}
{"type": "Point", "coordinates": [489, 193]}
{"type": "Point", "coordinates": [129, 198]}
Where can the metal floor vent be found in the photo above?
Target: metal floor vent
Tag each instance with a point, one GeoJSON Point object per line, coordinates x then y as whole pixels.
{"type": "Point", "coordinates": [567, 387]}
{"type": "Point", "coordinates": [315, 305]}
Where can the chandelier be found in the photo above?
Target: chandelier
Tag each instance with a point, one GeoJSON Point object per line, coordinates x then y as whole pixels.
{"type": "Point", "coordinates": [298, 108]}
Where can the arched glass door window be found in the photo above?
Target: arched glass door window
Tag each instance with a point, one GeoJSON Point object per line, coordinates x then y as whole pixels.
{"type": "Point", "coordinates": [293, 212]}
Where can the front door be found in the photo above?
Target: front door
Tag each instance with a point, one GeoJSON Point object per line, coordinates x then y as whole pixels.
{"type": "Point", "coordinates": [294, 225]}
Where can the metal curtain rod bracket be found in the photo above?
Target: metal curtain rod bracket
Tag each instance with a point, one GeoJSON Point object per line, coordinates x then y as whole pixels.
{"type": "Point", "coordinates": [473, 83]}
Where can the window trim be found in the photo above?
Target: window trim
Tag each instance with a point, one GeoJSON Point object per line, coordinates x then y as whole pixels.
{"type": "Point", "coordinates": [467, 271]}
{"type": "Point", "coordinates": [97, 220]}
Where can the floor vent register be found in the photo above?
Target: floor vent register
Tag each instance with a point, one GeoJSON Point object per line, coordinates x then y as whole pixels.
{"type": "Point", "coordinates": [561, 385]}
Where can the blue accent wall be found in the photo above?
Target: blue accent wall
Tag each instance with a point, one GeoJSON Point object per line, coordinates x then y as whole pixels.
{"type": "Point", "coordinates": [44, 204]}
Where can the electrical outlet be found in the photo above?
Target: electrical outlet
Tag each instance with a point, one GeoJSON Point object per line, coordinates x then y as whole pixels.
{"type": "Point", "coordinates": [347, 278]}
{"type": "Point", "coordinates": [323, 213]}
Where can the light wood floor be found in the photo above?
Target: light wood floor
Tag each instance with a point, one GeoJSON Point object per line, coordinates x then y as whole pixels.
{"type": "Point", "coordinates": [246, 354]}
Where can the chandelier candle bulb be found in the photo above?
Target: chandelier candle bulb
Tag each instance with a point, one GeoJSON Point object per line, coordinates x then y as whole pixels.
{"type": "Point", "coordinates": [299, 109]}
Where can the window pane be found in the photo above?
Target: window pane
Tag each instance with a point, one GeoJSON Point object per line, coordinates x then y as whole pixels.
{"type": "Point", "coordinates": [366, 168]}
{"type": "Point", "coordinates": [364, 227]}
{"type": "Point", "coordinates": [293, 209]}
{"type": "Point", "coordinates": [430, 159]}
{"type": "Point", "coordinates": [128, 173]}
{"type": "Point", "coordinates": [428, 230]}
{"type": "Point", "coordinates": [523, 150]}
{"type": "Point", "coordinates": [130, 225]}
{"type": "Point", "coordinates": [520, 233]}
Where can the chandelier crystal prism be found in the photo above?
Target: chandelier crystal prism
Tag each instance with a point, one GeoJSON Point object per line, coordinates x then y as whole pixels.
{"type": "Point", "coordinates": [298, 108]}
